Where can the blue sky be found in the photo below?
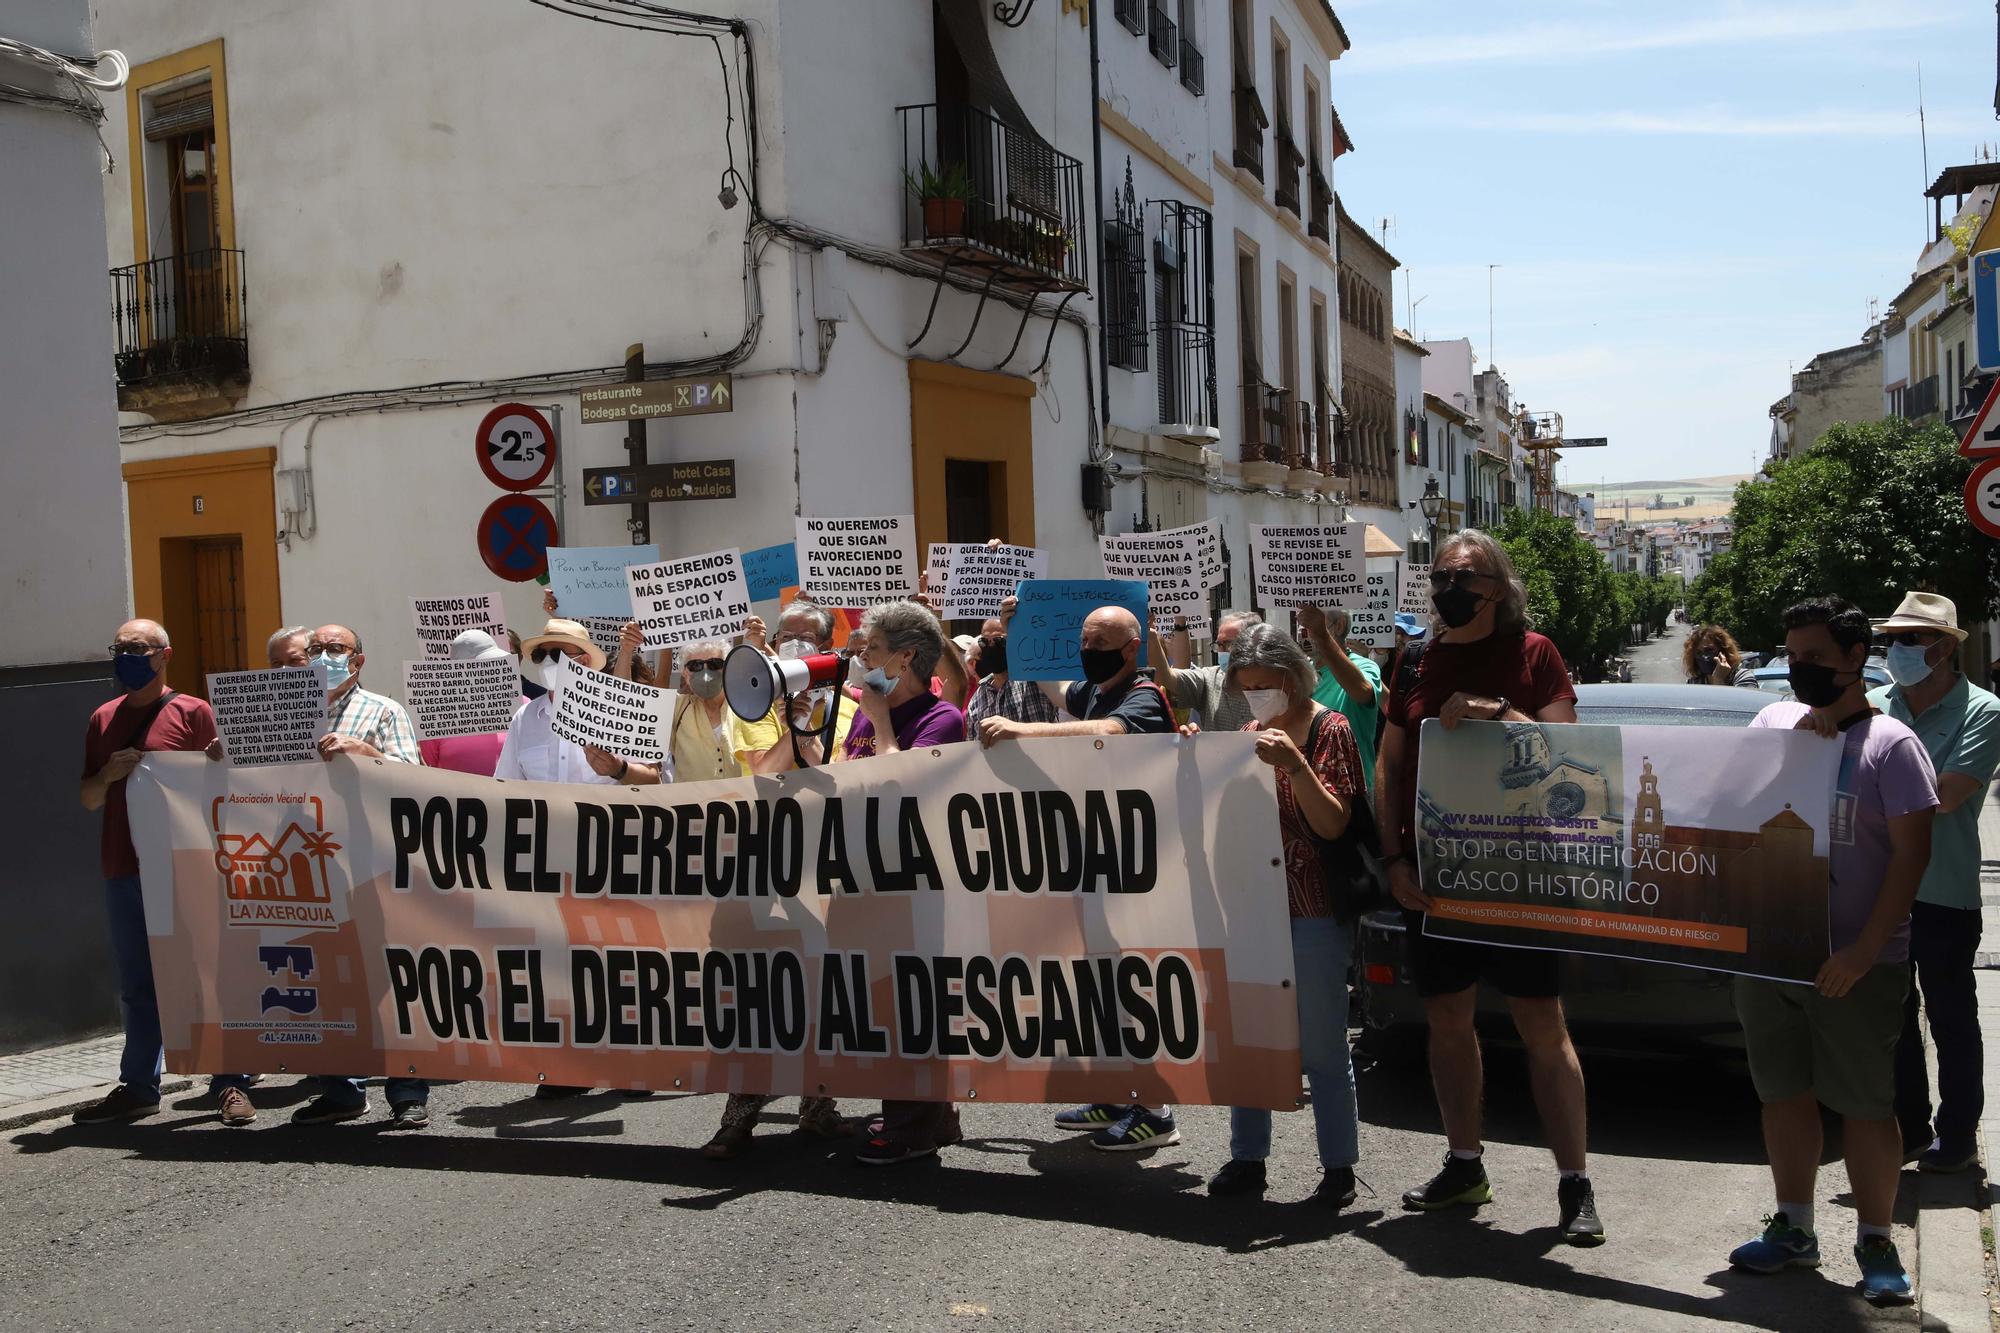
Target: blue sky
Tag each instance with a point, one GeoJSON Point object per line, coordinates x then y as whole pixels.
{"type": "Point", "coordinates": [1686, 200]}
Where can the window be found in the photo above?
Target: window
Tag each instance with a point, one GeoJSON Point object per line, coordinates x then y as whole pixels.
{"type": "Point", "coordinates": [1321, 455]}
{"type": "Point", "coordinates": [1184, 305]}
{"type": "Point", "coordinates": [1132, 14]}
{"type": "Point", "coordinates": [1249, 355]}
{"type": "Point", "coordinates": [1125, 281]}
{"type": "Point", "coordinates": [1194, 75]}
{"type": "Point", "coordinates": [1164, 39]}
{"type": "Point", "coordinates": [1250, 119]}
{"type": "Point", "coordinates": [1288, 332]}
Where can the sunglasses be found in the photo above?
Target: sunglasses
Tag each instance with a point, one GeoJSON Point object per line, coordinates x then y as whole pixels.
{"type": "Point", "coordinates": [134, 649]}
{"type": "Point", "coordinates": [544, 652]}
{"type": "Point", "coordinates": [1455, 578]}
{"type": "Point", "coordinates": [706, 664]}
{"type": "Point", "coordinates": [1915, 638]}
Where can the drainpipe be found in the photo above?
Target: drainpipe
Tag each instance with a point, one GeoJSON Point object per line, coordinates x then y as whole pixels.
{"type": "Point", "coordinates": [1097, 200]}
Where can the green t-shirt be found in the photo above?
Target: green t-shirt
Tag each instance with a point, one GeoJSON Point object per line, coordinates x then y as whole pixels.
{"type": "Point", "coordinates": [1961, 733]}
{"type": "Point", "coordinates": [1360, 716]}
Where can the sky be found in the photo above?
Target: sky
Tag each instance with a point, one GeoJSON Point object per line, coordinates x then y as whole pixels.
{"type": "Point", "coordinates": [1687, 201]}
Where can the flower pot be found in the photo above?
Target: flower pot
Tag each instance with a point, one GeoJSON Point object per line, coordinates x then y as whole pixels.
{"type": "Point", "coordinates": [944, 217]}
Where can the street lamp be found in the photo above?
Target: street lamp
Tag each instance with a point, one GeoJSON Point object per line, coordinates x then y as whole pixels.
{"type": "Point", "coordinates": [1432, 505]}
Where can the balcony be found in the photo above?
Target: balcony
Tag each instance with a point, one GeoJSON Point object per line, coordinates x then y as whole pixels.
{"type": "Point", "coordinates": [1130, 13]}
{"type": "Point", "coordinates": [1290, 159]}
{"type": "Point", "coordinates": [1186, 376]}
{"type": "Point", "coordinates": [1163, 35]}
{"type": "Point", "coordinates": [1267, 421]}
{"type": "Point", "coordinates": [182, 350]}
{"type": "Point", "coordinates": [1251, 122]}
{"type": "Point", "coordinates": [986, 199]}
{"type": "Point", "coordinates": [1319, 218]}
{"type": "Point", "coordinates": [1332, 437]}
{"type": "Point", "coordinates": [1194, 68]}
{"type": "Point", "coordinates": [1920, 400]}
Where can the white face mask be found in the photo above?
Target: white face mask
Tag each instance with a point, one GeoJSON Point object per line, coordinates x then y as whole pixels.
{"type": "Point", "coordinates": [793, 649]}
{"type": "Point", "coordinates": [1268, 704]}
{"type": "Point", "coordinates": [554, 674]}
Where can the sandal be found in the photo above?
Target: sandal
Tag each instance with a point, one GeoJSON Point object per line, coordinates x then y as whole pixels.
{"type": "Point", "coordinates": [729, 1143]}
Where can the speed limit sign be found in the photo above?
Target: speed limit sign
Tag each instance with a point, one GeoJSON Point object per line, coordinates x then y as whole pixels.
{"type": "Point", "coordinates": [1982, 497]}
{"type": "Point", "coordinates": [515, 446]}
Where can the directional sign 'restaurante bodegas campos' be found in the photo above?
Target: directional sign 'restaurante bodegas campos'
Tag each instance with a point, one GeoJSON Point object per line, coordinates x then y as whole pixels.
{"type": "Point", "coordinates": [687, 396]}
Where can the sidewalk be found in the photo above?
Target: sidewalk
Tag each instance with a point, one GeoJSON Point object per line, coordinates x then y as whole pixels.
{"type": "Point", "coordinates": [54, 1081]}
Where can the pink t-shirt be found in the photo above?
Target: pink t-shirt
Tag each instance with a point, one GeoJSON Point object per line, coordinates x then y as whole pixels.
{"type": "Point", "coordinates": [464, 754]}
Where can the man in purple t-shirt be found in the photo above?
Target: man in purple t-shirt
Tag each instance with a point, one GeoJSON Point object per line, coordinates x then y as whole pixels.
{"type": "Point", "coordinates": [1835, 1041]}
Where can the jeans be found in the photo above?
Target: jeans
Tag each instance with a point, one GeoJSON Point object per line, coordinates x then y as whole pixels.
{"type": "Point", "coordinates": [1321, 948]}
{"type": "Point", "coordinates": [354, 1091]}
{"type": "Point", "coordinates": [1943, 943]}
{"type": "Point", "coordinates": [144, 1056]}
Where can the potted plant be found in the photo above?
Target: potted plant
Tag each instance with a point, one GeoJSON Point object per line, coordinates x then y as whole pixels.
{"type": "Point", "coordinates": [943, 195]}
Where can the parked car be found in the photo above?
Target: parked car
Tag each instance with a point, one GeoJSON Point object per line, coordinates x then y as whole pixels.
{"type": "Point", "coordinates": [1613, 1004]}
{"type": "Point", "coordinates": [1776, 677]}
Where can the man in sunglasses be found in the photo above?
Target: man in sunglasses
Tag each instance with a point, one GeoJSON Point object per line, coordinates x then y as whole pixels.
{"type": "Point", "coordinates": [145, 716]}
{"type": "Point", "coordinates": [1959, 725]}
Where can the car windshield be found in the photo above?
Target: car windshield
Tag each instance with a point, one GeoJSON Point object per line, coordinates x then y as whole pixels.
{"type": "Point", "coordinates": [1615, 716]}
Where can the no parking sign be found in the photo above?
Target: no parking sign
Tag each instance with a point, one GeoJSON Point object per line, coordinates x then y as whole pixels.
{"type": "Point", "coordinates": [515, 534]}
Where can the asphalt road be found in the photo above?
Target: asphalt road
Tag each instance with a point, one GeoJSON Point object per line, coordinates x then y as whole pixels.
{"type": "Point", "coordinates": [1658, 661]}
{"type": "Point", "coordinates": [600, 1213]}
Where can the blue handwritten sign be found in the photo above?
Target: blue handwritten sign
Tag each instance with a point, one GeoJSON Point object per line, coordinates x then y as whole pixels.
{"type": "Point", "coordinates": [771, 570]}
{"type": "Point", "coordinates": [1044, 641]}
{"type": "Point", "coordinates": [590, 580]}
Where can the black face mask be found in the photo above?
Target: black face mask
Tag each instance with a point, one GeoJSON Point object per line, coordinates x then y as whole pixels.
{"type": "Point", "coordinates": [1704, 664]}
{"type": "Point", "coordinates": [532, 689]}
{"type": "Point", "coordinates": [1457, 607]}
{"type": "Point", "coordinates": [1814, 686]}
{"type": "Point", "coordinates": [993, 655]}
{"type": "Point", "coordinates": [1101, 664]}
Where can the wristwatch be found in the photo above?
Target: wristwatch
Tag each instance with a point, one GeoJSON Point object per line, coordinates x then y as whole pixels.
{"type": "Point", "coordinates": [1502, 710]}
{"type": "Point", "coordinates": [619, 776]}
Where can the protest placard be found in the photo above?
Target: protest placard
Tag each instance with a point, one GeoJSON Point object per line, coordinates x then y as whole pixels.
{"type": "Point", "coordinates": [269, 717]}
{"type": "Point", "coordinates": [1308, 566]}
{"type": "Point", "coordinates": [690, 599]}
{"type": "Point", "coordinates": [968, 581]}
{"type": "Point", "coordinates": [1168, 563]}
{"type": "Point", "coordinates": [1372, 624]}
{"type": "Point", "coordinates": [857, 561]}
{"type": "Point", "coordinates": [769, 570]}
{"type": "Point", "coordinates": [630, 720]}
{"type": "Point", "coordinates": [1044, 638]}
{"type": "Point", "coordinates": [462, 698]}
{"type": "Point", "coordinates": [590, 580]}
{"type": "Point", "coordinates": [1416, 591]}
{"type": "Point", "coordinates": [442, 619]}
{"type": "Point", "coordinates": [604, 631]}
{"type": "Point", "coordinates": [1208, 548]}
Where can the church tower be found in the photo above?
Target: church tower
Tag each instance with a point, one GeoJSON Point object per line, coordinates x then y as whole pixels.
{"type": "Point", "coordinates": [1649, 822]}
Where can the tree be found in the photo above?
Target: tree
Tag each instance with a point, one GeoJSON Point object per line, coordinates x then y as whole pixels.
{"type": "Point", "coordinates": [1571, 595]}
{"type": "Point", "coordinates": [1870, 512]}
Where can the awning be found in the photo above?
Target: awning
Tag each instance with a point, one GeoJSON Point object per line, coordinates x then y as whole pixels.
{"type": "Point", "coordinates": [1378, 545]}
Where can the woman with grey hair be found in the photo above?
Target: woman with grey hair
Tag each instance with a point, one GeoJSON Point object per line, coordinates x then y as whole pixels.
{"type": "Point", "coordinates": [1483, 664]}
{"type": "Point", "coordinates": [701, 729]}
{"type": "Point", "coordinates": [1318, 780]}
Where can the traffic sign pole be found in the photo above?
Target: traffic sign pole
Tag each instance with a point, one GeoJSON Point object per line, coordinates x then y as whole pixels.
{"type": "Point", "coordinates": [641, 523]}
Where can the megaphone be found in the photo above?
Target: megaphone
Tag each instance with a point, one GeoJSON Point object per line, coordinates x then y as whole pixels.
{"type": "Point", "coordinates": [752, 682]}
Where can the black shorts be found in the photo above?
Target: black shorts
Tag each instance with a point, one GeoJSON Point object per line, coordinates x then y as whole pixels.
{"type": "Point", "coordinates": [1446, 967]}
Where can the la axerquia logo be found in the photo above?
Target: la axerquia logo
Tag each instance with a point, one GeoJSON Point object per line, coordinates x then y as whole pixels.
{"type": "Point", "coordinates": [276, 877]}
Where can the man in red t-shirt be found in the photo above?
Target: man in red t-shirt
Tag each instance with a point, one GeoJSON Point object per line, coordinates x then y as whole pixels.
{"type": "Point", "coordinates": [146, 716]}
{"type": "Point", "coordinates": [1484, 664]}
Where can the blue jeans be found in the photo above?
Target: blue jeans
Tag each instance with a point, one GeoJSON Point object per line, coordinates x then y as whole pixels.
{"type": "Point", "coordinates": [1321, 948]}
{"type": "Point", "coordinates": [354, 1091]}
{"type": "Point", "coordinates": [144, 1056]}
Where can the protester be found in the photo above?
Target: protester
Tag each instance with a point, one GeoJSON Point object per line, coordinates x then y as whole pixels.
{"type": "Point", "coordinates": [1710, 657]}
{"type": "Point", "coordinates": [765, 747]}
{"type": "Point", "coordinates": [1319, 774]}
{"type": "Point", "coordinates": [1834, 1042]}
{"type": "Point", "coordinates": [901, 646]}
{"type": "Point", "coordinates": [1349, 682]}
{"type": "Point", "coordinates": [1115, 698]}
{"type": "Point", "coordinates": [469, 754]}
{"type": "Point", "coordinates": [287, 647]}
{"type": "Point", "coordinates": [146, 716]}
{"type": "Point", "coordinates": [1206, 692]}
{"type": "Point", "coordinates": [998, 694]}
{"type": "Point", "coordinates": [702, 720]}
{"type": "Point", "coordinates": [1485, 664]}
{"type": "Point", "coordinates": [1959, 726]}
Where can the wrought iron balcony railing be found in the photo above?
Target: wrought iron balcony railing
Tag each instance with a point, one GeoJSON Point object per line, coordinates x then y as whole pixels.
{"type": "Point", "coordinates": [1251, 122]}
{"type": "Point", "coordinates": [1290, 159]}
{"type": "Point", "coordinates": [180, 318]}
{"type": "Point", "coordinates": [1319, 217]}
{"type": "Point", "coordinates": [1004, 201]}
{"type": "Point", "coordinates": [1163, 35]}
{"type": "Point", "coordinates": [1920, 399]}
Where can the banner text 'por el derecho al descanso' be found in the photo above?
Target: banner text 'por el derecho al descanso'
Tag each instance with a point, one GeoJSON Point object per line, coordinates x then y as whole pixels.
{"type": "Point", "coordinates": [1069, 920]}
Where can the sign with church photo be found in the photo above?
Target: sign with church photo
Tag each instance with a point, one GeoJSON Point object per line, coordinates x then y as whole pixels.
{"type": "Point", "coordinates": [1697, 846]}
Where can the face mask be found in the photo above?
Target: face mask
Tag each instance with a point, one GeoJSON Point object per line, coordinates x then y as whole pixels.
{"type": "Point", "coordinates": [705, 684]}
{"type": "Point", "coordinates": [338, 669]}
{"type": "Point", "coordinates": [880, 681]}
{"type": "Point", "coordinates": [1457, 607]}
{"type": "Point", "coordinates": [1102, 664]}
{"type": "Point", "coordinates": [134, 670]}
{"type": "Point", "coordinates": [531, 689]}
{"type": "Point", "coordinates": [993, 655]}
{"type": "Point", "coordinates": [1907, 665]}
{"type": "Point", "coordinates": [1704, 665]}
{"type": "Point", "coordinates": [1222, 658]}
{"type": "Point", "coordinates": [1814, 686]}
{"type": "Point", "coordinates": [1267, 704]}
{"type": "Point", "coordinates": [791, 650]}
{"type": "Point", "coordinates": [554, 673]}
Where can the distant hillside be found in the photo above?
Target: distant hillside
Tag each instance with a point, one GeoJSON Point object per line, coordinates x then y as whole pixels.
{"type": "Point", "coordinates": [1686, 498]}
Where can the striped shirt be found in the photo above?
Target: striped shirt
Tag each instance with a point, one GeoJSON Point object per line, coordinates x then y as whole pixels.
{"type": "Point", "coordinates": [1017, 701]}
{"type": "Point", "coordinates": [381, 722]}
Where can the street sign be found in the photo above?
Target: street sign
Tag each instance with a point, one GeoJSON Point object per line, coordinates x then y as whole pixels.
{"type": "Point", "coordinates": [1982, 497]}
{"type": "Point", "coordinates": [514, 535]}
{"type": "Point", "coordinates": [1587, 442]}
{"type": "Point", "coordinates": [713, 479]}
{"type": "Point", "coordinates": [515, 447]}
{"type": "Point", "coordinates": [687, 396]}
{"type": "Point", "coordinates": [1982, 437]}
{"type": "Point", "coordinates": [1986, 307]}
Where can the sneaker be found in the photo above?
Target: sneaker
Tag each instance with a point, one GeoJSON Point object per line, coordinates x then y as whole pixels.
{"type": "Point", "coordinates": [324, 1110]}
{"type": "Point", "coordinates": [1093, 1117]}
{"type": "Point", "coordinates": [1883, 1280]}
{"type": "Point", "coordinates": [1943, 1158]}
{"type": "Point", "coordinates": [1781, 1246]}
{"type": "Point", "coordinates": [409, 1115]}
{"type": "Point", "coordinates": [236, 1108]}
{"type": "Point", "coordinates": [121, 1103]}
{"type": "Point", "coordinates": [1916, 1142]}
{"type": "Point", "coordinates": [1139, 1130]}
{"type": "Point", "coordinates": [889, 1151]}
{"type": "Point", "coordinates": [555, 1092]}
{"type": "Point", "coordinates": [1336, 1188]}
{"type": "Point", "coordinates": [1463, 1181]}
{"type": "Point", "coordinates": [1576, 1201]}
{"type": "Point", "coordinates": [1237, 1177]}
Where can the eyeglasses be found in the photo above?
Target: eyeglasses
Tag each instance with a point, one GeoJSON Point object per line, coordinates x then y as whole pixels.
{"type": "Point", "coordinates": [706, 664]}
{"type": "Point", "coordinates": [134, 648]}
{"type": "Point", "coordinates": [1455, 578]}
{"type": "Point", "coordinates": [330, 649]}
{"type": "Point", "coordinates": [543, 652]}
{"type": "Point", "coordinates": [1914, 638]}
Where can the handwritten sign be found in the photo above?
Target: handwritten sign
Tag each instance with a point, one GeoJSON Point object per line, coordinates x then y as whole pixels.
{"type": "Point", "coordinates": [1044, 640]}
{"type": "Point", "coordinates": [857, 561]}
{"type": "Point", "coordinates": [970, 580]}
{"type": "Point", "coordinates": [269, 717]}
{"type": "Point", "coordinates": [1309, 566]}
{"type": "Point", "coordinates": [462, 698]}
{"type": "Point", "coordinates": [630, 720]}
{"type": "Point", "coordinates": [442, 619]}
{"type": "Point", "coordinates": [770, 570]}
{"type": "Point", "coordinates": [590, 580]}
{"type": "Point", "coordinates": [691, 599]}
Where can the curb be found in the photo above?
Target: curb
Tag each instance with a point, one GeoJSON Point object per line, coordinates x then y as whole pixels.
{"type": "Point", "coordinates": [1951, 1258]}
{"type": "Point", "coordinates": [22, 1114]}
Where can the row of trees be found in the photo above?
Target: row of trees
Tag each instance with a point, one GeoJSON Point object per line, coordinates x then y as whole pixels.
{"type": "Point", "coordinates": [1574, 598]}
{"type": "Point", "coordinates": [1871, 511]}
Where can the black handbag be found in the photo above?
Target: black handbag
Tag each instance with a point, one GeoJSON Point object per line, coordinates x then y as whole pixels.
{"type": "Point", "coordinates": [1357, 879]}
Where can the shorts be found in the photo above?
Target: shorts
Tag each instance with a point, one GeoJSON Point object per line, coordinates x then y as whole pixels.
{"type": "Point", "coordinates": [1842, 1051]}
{"type": "Point", "coordinates": [1446, 967]}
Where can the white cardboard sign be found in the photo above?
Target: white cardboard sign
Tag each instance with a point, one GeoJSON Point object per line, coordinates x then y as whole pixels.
{"type": "Point", "coordinates": [462, 698]}
{"type": "Point", "coordinates": [850, 562]}
{"type": "Point", "coordinates": [442, 619]}
{"type": "Point", "coordinates": [1309, 566]}
{"type": "Point", "coordinates": [630, 720]}
{"type": "Point", "coordinates": [269, 717]}
{"type": "Point", "coordinates": [968, 581]}
{"type": "Point", "coordinates": [690, 599]}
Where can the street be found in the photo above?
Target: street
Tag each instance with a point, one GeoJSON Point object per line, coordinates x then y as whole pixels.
{"type": "Point", "coordinates": [1658, 661]}
{"type": "Point", "coordinates": [600, 1212]}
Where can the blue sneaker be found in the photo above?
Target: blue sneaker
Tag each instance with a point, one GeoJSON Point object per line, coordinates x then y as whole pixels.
{"type": "Point", "coordinates": [1781, 1246]}
{"type": "Point", "coordinates": [1095, 1116]}
{"type": "Point", "coordinates": [1138, 1130]}
{"type": "Point", "coordinates": [1883, 1280]}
